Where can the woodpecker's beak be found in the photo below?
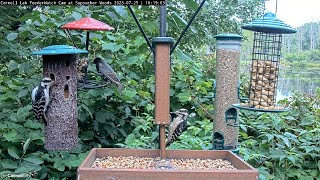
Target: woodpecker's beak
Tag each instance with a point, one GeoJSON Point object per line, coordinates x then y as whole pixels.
{"type": "Point", "coordinates": [54, 83]}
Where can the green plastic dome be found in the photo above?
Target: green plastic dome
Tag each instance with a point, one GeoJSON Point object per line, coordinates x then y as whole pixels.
{"type": "Point", "coordinates": [59, 49]}
{"type": "Point", "coordinates": [228, 36]}
{"type": "Point", "coordinates": [269, 23]}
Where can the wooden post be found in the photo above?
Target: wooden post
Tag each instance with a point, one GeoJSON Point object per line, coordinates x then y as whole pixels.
{"type": "Point", "coordinates": [162, 87]}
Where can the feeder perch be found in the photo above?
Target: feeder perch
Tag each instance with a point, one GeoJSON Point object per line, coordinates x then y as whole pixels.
{"type": "Point", "coordinates": [264, 71]}
{"type": "Point", "coordinates": [227, 78]}
{"type": "Point", "coordinates": [59, 63]}
{"type": "Point", "coordinates": [88, 24]}
{"type": "Point", "coordinates": [232, 117]}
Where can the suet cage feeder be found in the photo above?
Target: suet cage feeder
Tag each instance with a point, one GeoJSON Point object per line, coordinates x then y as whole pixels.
{"type": "Point", "coordinates": [264, 72]}
{"type": "Point", "coordinates": [228, 48]}
{"type": "Point", "coordinates": [88, 24]}
{"type": "Point", "coordinates": [60, 64]}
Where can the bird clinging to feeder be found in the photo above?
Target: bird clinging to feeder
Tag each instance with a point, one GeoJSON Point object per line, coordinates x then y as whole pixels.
{"type": "Point", "coordinates": [41, 99]}
{"type": "Point", "coordinates": [107, 73]}
{"type": "Point", "coordinates": [178, 125]}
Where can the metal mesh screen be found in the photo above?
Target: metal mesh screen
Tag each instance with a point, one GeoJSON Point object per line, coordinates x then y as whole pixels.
{"type": "Point", "coordinates": [264, 70]}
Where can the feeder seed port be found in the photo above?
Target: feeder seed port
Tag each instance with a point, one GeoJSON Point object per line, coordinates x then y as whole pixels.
{"type": "Point", "coordinates": [66, 91]}
{"type": "Point", "coordinates": [68, 63]}
{"type": "Point", "coordinates": [52, 76]}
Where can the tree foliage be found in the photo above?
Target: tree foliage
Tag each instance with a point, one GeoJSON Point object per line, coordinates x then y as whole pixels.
{"type": "Point", "coordinates": [286, 145]}
{"type": "Point", "coordinates": [306, 38]}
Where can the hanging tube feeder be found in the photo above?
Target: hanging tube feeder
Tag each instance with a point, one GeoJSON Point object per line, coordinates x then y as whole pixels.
{"type": "Point", "coordinates": [227, 78]}
{"type": "Point", "coordinates": [88, 24]}
{"type": "Point", "coordinates": [264, 71]}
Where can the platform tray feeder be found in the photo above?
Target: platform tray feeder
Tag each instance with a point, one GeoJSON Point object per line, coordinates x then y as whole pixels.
{"type": "Point", "coordinates": [59, 63]}
{"type": "Point", "coordinates": [264, 71]}
{"type": "Point", "coordinates": [87, 171]}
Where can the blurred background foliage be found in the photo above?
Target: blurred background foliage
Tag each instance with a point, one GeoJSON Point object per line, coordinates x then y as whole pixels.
{"type": "Point", "coordinates": [108, 118]}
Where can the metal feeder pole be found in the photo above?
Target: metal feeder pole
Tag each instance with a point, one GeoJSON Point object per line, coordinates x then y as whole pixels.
{"type": "Point", "coordinates": [163, 20]}
{"type": "Point", "coordinates": [87, 40]}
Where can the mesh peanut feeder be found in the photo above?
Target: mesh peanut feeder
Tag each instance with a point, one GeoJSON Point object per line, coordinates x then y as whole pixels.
{"type": "Point", "coordinates": [266, 54]}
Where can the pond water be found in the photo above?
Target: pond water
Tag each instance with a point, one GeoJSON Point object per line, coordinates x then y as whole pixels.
{"type": "Point", "coordinates": [298, 79]}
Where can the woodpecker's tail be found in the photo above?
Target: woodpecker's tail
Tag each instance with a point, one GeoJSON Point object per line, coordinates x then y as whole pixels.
{"type": "Point", "coordinates": [168, 143]}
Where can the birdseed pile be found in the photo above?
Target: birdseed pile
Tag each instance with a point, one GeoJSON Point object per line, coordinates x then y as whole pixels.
{"type": "Point", "coordinates": [131, 162]}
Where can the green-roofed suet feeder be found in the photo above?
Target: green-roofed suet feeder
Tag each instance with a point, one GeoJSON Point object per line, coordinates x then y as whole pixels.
{"type": "Point", "coordinates": [60, 64]}
{"type": "Point", "coordinates": [228, 48]}
{"type": "Point", "coordinates": [266, 54]}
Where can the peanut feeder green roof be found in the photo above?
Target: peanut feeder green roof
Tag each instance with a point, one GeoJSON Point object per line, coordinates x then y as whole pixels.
{"type": "Point", "coordinates": [269, 23]}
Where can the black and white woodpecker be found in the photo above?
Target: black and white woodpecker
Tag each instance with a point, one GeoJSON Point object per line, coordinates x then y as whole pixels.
{"type": "Point", "coordinates": [177, 126]}
{"type": "Point", "coordinates": [41, 99]}
{"type": "Point", "coordinates": [106, 72]}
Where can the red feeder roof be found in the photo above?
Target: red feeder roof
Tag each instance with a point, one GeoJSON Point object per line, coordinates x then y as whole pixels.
{"type": "Point", "coordinates": [87, 24]}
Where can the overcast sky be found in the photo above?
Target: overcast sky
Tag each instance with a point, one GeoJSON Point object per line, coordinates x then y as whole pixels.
{"type": "Point", "coordinates": [296, 12]}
